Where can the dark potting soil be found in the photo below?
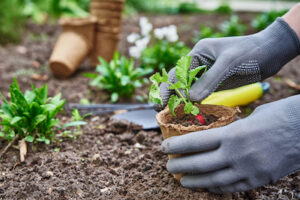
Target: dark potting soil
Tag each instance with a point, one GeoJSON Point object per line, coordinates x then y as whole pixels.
{"type": "Point", "coordinates": [111, 160]}
{"type": "Point", "coordinates": [190, 119]}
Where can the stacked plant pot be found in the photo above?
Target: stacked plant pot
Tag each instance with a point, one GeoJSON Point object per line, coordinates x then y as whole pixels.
{"type": "Point", "coordinates": [73, 45]}
{"type": "Point", "coordinates": [108, 29]}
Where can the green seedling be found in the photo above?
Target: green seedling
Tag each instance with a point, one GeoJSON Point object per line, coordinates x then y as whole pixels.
{"type": "Point", "coordinates": [263, 20]}
{"type": "Point", "coordinates": [233, 27]}
{"type": "Point", "coordinates": [163, 54]}
{"type": "Point", "coordinates": [185, 78]}
{"type": "Point", "coordinates": [76, 117]}
{"type": "Point", "coordinates": [56, 149]}
{"type": "Point", "coordinates": [119, 77]}
{"type": "Point", "coordinates": [229, 28]}
{"type": "Point", "coordinates": [31, 115]}
{"type": "Point", "coordinates": [84, 101]}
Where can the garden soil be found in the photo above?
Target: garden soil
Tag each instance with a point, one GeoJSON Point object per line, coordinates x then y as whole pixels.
{"type": "Point", "coordinates": [110, 160]}
{"type": "Point", "coordinates": [190, 119]}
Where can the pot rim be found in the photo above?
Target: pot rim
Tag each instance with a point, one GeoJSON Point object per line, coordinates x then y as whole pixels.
{"type": "Point", "coordinates": [180, 128]}
{"type": "Point", "coordinates": [78, 21]}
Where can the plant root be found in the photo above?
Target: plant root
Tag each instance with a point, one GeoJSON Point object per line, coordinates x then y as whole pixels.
{"type": "Point", "coordinates": [23, 149]}
{"type": "Point", "coordinates": [8, 146]}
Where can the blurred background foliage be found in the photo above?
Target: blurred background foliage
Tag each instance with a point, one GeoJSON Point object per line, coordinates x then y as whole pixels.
{"type": "Point", "coordinates": [14, 13]}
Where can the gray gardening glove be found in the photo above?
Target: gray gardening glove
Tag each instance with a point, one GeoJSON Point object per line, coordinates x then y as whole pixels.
{"type": "Point", "coordinates": [246, 154]}
{"type": "Point", "coordinates": [237, 61]}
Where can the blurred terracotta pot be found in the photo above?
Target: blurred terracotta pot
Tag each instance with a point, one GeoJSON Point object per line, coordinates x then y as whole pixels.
{"type": "Point", "coordinates": [105, 46]}
{"type": "Point", "coordinates": [225, 116]}
{"type": "Point", "coordinates": [107, 5]}
{"type": "Point", "coordinates": [73, 45]}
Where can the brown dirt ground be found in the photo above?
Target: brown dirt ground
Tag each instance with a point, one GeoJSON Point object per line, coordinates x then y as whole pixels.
{"type": "Point", "coordinates": [104, 162]}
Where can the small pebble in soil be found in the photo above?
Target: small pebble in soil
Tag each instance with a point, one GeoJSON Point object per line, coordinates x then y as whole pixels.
{"type": "Point", "coordinates": [48, 174]}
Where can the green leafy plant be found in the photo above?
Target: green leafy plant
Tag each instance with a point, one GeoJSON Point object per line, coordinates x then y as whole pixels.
{"type": "Point", "coordinates": [206, 32]}
{"type": "Point", "coordinates": [38, 10]}
{"type": "Point", "coordinates": [119, 77]}
{"type": "Point", "coordinates": [185, 78]}
{"type": "Point", "coordinates": [163, 54]}
{"type": "Point", "coordinates": [224, 8]}
{"type": "Point", "coordinates": [11, 20]}
{"type": "Point", "coordinates": [265, 19]}
{"type": "Point", "coordinates": [31, 115]}
{"type": "Point", "coordinates": [227, 29]}
{"type": "Point", "coordinates": [189, 7]}
{"type": "Point", "coordinates": [76, 117]}
{"type": "Point", "coordinates": [232, 27]}
{"type": "Point", "coordinates": [15, 12]}
{"type": "Point", "coordinates": [153, 6]}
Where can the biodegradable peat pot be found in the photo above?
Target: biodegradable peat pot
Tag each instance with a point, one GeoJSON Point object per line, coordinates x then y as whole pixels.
{"type": "Point", "coordinates": [225, 116]}
{"type": "Point", "coordinates": [112, 22]}
{"type": "Point", "coordinates": [105, 46]}
{"type": "Point", "coordinates": [73, 45]}
{"type": "Point", "coordinates": [106, 14]}
{"type": "Point", "coordinates": [108, 29]}
{"type": "Point", "coordinates": [107, 5]}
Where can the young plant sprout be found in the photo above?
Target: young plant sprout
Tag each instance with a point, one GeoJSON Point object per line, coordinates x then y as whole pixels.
{"type": "Point", "coordinates": [185, 78]}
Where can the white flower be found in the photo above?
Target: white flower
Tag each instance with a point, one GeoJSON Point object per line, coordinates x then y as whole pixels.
{"type": "Point", "coordinates": [145, 25]}
{"type": "Point", "coordinates": [167, 32]}
{"type": "Point", "coordinates": [171, 34]}
{"type": "Point", "coordinates": [159, 33]}
{"type": "Point", "coordinates": [133, 37]}
{"type": "Point", "coordinates": [142, 43]}
{"type": "Point", "coordinates": [135, 51]}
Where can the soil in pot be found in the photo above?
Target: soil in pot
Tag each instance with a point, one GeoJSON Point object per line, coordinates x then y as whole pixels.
{"type": "Point", "coordinates": [201, 119]}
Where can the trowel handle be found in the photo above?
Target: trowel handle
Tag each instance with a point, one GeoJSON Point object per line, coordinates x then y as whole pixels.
{"type": "Point", "coordinates": [110, 107]}
{"type": "Point", "coordinates": [239, 96]}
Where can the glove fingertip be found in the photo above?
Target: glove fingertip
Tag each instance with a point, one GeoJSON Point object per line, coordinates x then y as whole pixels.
{"type": "Point", "coordinates": [158, 107]}
{"type": "Point", "coordinates": [197, 96]}
{"type": "Point", "coordinates": [184, 182]}
{"type": "Point", "coordinates": [165, 146]}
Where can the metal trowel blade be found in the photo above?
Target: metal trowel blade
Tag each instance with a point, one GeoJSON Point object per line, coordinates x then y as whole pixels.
{"type": "Point", "coordinates": [145, 118]}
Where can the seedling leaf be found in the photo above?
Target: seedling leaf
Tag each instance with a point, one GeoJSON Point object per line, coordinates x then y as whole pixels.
{"type": "Point", "coordinates": [193, 73]}
{"type": "Point", "coordinates": [74, 123]}
{"type": "Point", "coordinates": [154, 95]}
{"type": "Point", "coordinates": [29, 138]}
{"type": "Point", "coordinates": [182, 69]}
{"type": "Point", "coordinates": [15, 120]}
{"type": "Point", "coordinates": [174, 101]}
{"type": "Point", "coordinates": [114, 97]}
{"type": "Point", "coordinates": [177, 85]}
{"type": "Point", "coordinates": [195, 110]}
{"type": "Point", "coordinates": [188, 107]}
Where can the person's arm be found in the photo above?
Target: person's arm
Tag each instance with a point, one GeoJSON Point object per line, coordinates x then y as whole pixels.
{"type": "Point", "coordinates": [293, 18]}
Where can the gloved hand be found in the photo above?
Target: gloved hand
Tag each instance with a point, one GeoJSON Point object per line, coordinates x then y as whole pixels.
{"type": "Point", "coordinates": [237, 61]}
{"type": "Point", "coordinates": [246, 154]}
